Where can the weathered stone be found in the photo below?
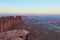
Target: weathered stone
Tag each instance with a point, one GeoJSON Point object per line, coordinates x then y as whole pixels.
{"type": "Point", "coordinates": [14, 33]}
{"type": "Point", "coordinates": [11, 27]}
{"type": "Point", "coordinates": [17, 38]}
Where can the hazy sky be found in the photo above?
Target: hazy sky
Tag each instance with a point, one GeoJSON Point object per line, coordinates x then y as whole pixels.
{"type": "Point", "coordinates": [30, 6]}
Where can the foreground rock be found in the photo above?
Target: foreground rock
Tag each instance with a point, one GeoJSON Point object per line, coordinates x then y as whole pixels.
{"type": "Point", "coordinates": [14, 35]}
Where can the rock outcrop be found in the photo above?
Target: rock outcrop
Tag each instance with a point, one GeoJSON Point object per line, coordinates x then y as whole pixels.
{"type": "Point", "coordinates": [13, 28]}
{"type": "Point", "coordinates": [14, 35]}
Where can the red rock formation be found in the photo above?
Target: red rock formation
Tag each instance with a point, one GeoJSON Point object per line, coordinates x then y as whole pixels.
{"type": "Point", "coordinates": [11, 23]}
{"type": "Point", "coordinates": [24, 17]}
{"type": "Point", "coordinates": [8, 23]}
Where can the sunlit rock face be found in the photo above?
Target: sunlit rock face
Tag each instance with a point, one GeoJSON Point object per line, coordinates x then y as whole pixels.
{"type": "Point", "coordinates": [11, 23]}
{"type": "Point", "coordinates": [17, 38]}
{"type": "Point", "coordinates": [13, 28]}
{"type": "Point", "coordinates": [14, 35]}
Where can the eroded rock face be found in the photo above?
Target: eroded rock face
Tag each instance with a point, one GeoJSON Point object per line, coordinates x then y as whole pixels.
{"type": "Point", "coordinates": [9, 26]}
{"type": "Point", "coordinates": [14, 35]}
{"type": "Point", "coordinates": [11, 23]}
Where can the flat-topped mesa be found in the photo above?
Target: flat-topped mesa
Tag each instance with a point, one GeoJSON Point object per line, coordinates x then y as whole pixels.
{"type": "Point", "coordinates": [11, 23]}
{"type": "Point", "coordinates": [6, 22]}
{"type": "Point", "coordinates": [5, 18]}
{"type": "Point", "coordinates": [12, 18]}
{"type": "Point", "coordinates": [18, 18]}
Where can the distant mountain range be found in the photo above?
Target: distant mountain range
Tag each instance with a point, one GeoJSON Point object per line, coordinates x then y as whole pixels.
{"type": "Point", "coordinates": [38, 16]}
{"type": "Point", "coordinates": [7, 15]}
{"type": "Point", "coordinates": [14, 14]}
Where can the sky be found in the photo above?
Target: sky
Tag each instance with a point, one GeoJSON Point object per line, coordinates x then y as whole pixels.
{"type": "Point", "coordinates": [30, 6]}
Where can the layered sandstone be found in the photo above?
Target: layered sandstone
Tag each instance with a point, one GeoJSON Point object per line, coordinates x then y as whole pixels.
{"type": "Point", "coordinates": [13, 28]}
